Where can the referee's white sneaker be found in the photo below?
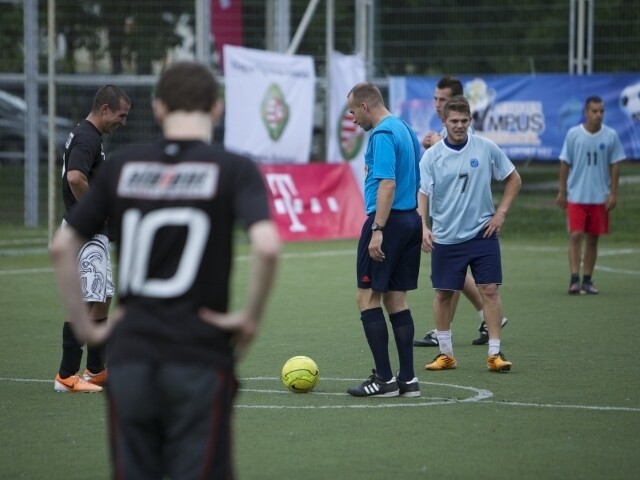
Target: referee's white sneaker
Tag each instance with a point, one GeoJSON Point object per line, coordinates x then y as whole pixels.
{"type": "Point", "coordinates": [374, 387]}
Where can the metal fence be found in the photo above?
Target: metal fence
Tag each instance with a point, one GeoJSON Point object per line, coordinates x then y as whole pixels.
{"type": "Point", "coordinates": [127, 43]}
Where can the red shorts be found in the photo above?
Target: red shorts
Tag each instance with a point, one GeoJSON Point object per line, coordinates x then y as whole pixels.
{"type": "Point", "coordinates": [588, 218]}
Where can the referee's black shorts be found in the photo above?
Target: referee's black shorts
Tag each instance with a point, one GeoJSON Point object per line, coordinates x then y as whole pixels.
{"type": "Point", "coordinates": [401, 242]}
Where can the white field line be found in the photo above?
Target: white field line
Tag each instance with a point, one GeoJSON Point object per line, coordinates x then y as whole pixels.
{"type": "Point", "coordinates": [622, 251]}
{"type": "Point", "coordinates": [26, 271]}
{"type": "Point", "coordinates": [617, 270]}
{"type": "Point", "coordinates": [327, 253]}
{"type": "Point", "coordinates": [23, 241]}
{"type": "Point", "coordinates": [351, 252]}
{"type": "Point", "coordinates": [240, 258]}
{"type": "Point", "coordinates": [480, 395]}
{"type": "Point", "coordinates": [21, 252]}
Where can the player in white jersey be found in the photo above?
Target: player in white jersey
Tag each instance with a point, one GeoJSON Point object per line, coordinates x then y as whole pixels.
{"type": "Point", "coordinates": [455, 191]}
{"type": "Point", "coordinates": [589, 172]}
{"type": "Point", "coordinates": [446, 88]}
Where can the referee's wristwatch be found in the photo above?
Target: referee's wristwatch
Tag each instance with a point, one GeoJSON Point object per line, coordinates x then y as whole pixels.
{"type": "Point", "coordinates": [377, 227]}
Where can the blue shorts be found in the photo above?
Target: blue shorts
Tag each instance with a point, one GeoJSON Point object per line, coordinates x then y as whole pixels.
{"type": "Point", "coordinates": [401, 242]}
{"type": "Point", "coordinates": [449, 263]}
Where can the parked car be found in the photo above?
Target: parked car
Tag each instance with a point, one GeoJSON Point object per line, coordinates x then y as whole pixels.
{"type": "Point", "coordinates": [13, 113]}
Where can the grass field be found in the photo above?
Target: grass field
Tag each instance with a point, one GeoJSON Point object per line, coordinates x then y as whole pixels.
{"type": "Point", "coordinates": [570, 408]}
{"type": "Point", "coordinates": [533, 217]}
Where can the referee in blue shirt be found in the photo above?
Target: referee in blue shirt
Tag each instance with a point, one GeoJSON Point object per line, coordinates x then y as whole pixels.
{"type": "Point", "coordinates": [388, 261]}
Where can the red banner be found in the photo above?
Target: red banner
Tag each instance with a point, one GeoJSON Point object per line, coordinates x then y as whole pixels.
{"type": "Point", "coordinates": [315, 201]}
{"type": "Point", "coordinates": [226, 24]}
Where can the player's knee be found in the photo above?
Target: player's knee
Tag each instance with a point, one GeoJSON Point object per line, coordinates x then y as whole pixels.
{"type": "Point", "coordinates": [489, 291]}
{"type": "Point", "coordinates": [576, 236]}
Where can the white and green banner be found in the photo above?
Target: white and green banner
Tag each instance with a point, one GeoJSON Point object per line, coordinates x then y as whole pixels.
{"type": "Point", "coordinates": [346, 141]}
{"type": "Point", "coordinates": [269, 105]}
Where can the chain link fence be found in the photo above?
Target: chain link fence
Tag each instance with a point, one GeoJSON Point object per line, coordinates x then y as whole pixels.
{"type": "Point", "coordinates": [128, 43]}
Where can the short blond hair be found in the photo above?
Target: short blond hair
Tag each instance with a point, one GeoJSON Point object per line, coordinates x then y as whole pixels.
{"type": "Point", "coordinates": [365, 92]}
{"type": "Point", "coordinates": [457, 103]}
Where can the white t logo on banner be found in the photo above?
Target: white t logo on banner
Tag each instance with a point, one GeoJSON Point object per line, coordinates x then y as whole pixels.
{"type": "Point", "coordinates": [281, 185]}
{"type": "Point", "coordinates": [270, 100]}
{"type": "Point", "coordinates": [288, 202]}
{"type": "Point", "coordinates": [314, 201]}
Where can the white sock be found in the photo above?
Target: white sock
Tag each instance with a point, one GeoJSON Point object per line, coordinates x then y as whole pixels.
{"type": "Point", "coordinates": [444, 340]}
{"type": "Point", "coordinates": [481, 315]}
{"type": "Point", "coordinates": [494, 346]}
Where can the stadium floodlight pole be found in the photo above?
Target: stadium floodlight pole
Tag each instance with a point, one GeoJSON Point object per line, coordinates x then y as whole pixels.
{"type": "Point", "coordinates": [572, 37]}
{"type": "Point", "coordinates": [581, 36]}
{"type": "Point", "coordinates": [364, 32]}
{"type": "Point", "coordinates": [51, 93]}
{"type": "Point", "coordinates": [580, 45]}
{"type": "Point", "coordinates": [277, 18]}
{"type": "Point", "coordinates": [31, 148]}
{"type": "Point", "coordinates": [589, 60]}
{"type": "Point", "coordinates": [203, 31]}
{"type": "Point", "coordinates": [330, 20]}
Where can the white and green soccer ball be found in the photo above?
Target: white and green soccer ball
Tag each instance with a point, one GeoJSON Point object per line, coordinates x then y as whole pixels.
{"type": "Point", "coordinates": [300, 374]}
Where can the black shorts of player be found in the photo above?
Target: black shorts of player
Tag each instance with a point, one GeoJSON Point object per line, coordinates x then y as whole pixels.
{"type": "Point", "coordinates": [401, 242]}
{"type": "Point", "coordinates": [170, 420]}
{"type": "Point", "coordinates": [449, 263]}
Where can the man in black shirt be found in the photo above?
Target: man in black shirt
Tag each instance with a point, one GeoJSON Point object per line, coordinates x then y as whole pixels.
{"type": "Point", "coordinates": [173, 344]}
{"type": "Point", "coordinates": [83, 156]}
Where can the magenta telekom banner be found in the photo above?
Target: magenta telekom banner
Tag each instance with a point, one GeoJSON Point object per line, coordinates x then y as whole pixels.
{"type": "Point", "coordinates": [226, 24]}
{"type": "Point", "coordinates": [315, 201]}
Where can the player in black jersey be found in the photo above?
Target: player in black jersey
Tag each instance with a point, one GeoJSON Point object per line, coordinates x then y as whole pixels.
{"type": "Point", "coordinates": [83, 156]}
{"type": "Point", "coordinates": [173, 205]}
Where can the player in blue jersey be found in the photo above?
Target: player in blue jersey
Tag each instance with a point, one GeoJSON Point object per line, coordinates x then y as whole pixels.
{"type": "Point", "coordinates": [455, 192]}
{"type": "Point", "coordinates": [174, 205]}
{"type": "Point", "coordinates": [446, 88]}
{"type": "Point", "coordinates": [589, 172]}
{"type": "Point", "coordinates": [388, 258]}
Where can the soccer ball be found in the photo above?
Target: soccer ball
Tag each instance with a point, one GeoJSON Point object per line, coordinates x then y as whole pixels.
{"type": "Point", "coordinates": [300, 374]}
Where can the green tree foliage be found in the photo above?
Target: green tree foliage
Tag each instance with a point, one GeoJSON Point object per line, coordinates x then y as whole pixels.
{"type": "Point", "coordinates": [133, 33]}
{"type": "Point", "coordinates": [411, 36]}
{"type": "Point", "coordinates": [498, 37]}
{"type": "Point", "coordinates": [142, 31]}
{"type": "Point", "coordinates": [78, 23]}
{"type": "Point", "coordinates": [479, 36]}
{"type": "Point", "coordinates": [11, 25]}
{"type": "Point", "coordinates": [617, 43]}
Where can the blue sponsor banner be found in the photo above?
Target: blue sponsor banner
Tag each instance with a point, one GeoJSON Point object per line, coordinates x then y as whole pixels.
{"type": "Point", "coordinates": [528, 116]}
